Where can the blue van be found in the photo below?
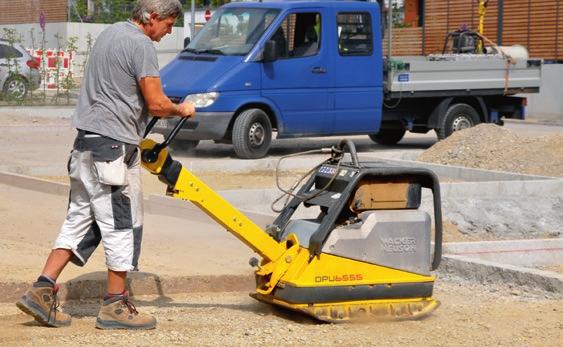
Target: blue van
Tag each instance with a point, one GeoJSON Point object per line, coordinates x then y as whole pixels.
{"type": "Point", "coordinates": [294, 68]}
{"type": "Point", "coordinates": [315, 68]}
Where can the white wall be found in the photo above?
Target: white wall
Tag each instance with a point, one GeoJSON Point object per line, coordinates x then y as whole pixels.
{"type": "Point", "coordinates": [166, 49]}
{"type": "Point", "coordinates": [548, 104]}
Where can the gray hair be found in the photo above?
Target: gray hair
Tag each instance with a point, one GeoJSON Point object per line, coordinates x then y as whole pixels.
{"type": "Point", "coordinates": [163, 8]}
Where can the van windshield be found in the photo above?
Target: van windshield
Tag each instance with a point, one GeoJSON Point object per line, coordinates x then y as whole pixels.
{"type": "Point", "coordinates": [232, 31]}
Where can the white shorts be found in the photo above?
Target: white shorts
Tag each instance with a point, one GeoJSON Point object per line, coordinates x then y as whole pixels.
{"type": "Point", "coordinates": [105, 202]}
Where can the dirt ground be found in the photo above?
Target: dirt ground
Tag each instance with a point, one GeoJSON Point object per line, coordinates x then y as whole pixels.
{"type": "Point", "coordinates": [471, 314]}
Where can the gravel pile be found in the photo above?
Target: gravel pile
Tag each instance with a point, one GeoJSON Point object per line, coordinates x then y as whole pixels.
{"type": "Point", "coordinates": [491, 147]}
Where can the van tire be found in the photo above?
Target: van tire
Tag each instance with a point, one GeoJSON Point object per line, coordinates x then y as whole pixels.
{"type": "Point", "coordinates": [252, 134]}
{"type": "Point", "coordinates": [457, 117]}
{"type": "Point", "coordinates": [388, 136]}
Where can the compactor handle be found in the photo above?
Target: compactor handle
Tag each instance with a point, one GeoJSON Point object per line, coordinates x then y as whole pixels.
{"type": "Point", "coordinates": [150, 156]}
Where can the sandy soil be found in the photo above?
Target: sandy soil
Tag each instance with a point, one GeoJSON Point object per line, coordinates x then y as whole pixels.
{"type": "Point", "coordinates": [470, 315]}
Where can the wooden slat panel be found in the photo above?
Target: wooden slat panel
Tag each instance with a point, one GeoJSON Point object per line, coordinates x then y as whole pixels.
{"type": "Point", "coordinates": [543, 29]}
{"type": "Point", "coordinates": [27, 11]}
{"type": "Point", "coordinates": [559, 33]}
{"type": "Point", "coordinates": [406, 41]}
{"type": "Point", "coordinates": [516, 23]}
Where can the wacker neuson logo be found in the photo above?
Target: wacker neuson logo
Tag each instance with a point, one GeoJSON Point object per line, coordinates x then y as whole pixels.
{"type": "Point", "coordinates": [398, 244]}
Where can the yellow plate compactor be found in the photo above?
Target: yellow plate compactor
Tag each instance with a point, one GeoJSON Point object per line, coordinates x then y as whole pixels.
{"type": "Point", "coordinates": [366, 253]}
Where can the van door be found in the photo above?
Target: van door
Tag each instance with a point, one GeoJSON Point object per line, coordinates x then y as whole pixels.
{"type": "Point", "coordinates": [358, 76]}
{"type": "Point", "coordinates": [298, 81]}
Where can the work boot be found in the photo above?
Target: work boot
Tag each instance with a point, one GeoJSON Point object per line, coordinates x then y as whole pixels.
{"type": "Point", "coordinates": [118, 312]}
{"type": "Point", "coordinates": [42, 303]}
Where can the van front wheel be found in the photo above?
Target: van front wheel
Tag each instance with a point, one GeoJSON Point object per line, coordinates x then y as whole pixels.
{"type": "Point", "coordinates": [252, 134]}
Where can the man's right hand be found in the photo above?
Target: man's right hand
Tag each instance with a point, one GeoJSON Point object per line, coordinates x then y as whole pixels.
{"type": "Point", "coordinates": [186, 109]}
{"type": "Point", "coordinates": [159, 104]}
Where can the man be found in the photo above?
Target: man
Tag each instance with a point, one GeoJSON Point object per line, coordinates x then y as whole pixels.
{"type": "Point", "coordinates": [120, 85]}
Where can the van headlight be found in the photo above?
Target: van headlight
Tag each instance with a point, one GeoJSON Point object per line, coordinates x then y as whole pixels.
{"type": "Point", "coordinates": [203, 99]}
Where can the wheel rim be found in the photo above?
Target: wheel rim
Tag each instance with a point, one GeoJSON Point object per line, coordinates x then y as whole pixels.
{"type": "Point", "coordinates": [256, 134]}
{"type": "Point", "coordinates": [16, 88]}
{"type": "Point", "coordinates": [461, 122]}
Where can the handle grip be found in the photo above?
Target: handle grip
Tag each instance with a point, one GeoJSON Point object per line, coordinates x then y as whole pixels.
{"type": "Point", "coordinates": [150, 156]}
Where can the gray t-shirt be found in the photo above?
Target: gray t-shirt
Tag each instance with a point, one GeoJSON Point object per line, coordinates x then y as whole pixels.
{"type": "Point", "coordinates": [110, 101]}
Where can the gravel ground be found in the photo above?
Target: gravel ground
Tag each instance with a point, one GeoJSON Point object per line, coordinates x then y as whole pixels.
{"type": "Point", "coordinates": [470, 315]}
{"type": "Point", "coordinates": [506, 218]}
{"type": "Point", "coordinates": [488, 146]}
{"type": "Point", "coordinates": [491, 147]}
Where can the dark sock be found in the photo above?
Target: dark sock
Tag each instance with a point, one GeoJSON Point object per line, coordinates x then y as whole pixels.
{"type": "Point", "coordinates": [43, 281]}
{"type": "Point", "coordinates": [112, 297]}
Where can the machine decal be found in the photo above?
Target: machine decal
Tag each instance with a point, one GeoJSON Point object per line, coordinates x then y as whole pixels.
{"type": "Point", "coordinates": [339, 278]}
{"type": "Point", "coordinates": [398, 244]}
{"type": "Point", "coordinates": [327, 170]}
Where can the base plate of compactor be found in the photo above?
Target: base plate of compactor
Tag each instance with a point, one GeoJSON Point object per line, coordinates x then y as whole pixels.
{"type": "Point", "coordinates": [399, 309]}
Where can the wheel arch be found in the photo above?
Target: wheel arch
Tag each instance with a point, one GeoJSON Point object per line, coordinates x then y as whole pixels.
{"type": "Point", "coordinates": [12, 75]}
{"type": "Point", "coordinates": [439, 111]}
{"type": "Point", "coordinates": [268, 109]}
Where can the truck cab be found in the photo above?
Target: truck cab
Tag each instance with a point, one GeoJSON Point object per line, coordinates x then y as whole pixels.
{"type": "Point", "coordinates": [294, 68]}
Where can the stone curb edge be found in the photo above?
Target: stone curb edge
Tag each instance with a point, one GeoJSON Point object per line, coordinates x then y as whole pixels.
{"type": "Point", "coordinates": [93, 286]}
{"type": "Point", "coordinates": [483, 271]}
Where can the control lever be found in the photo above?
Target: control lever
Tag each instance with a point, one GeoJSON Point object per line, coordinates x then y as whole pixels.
{"type": "Point", "coordinates": [151, 155]}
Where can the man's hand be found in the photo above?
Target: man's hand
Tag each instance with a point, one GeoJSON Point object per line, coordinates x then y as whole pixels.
{"type": "Point", "coordinates": [186, 109]}
{"type": "Point", "coordinates": [159, 104]}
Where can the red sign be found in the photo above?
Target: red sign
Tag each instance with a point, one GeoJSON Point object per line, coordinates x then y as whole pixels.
{"type": "Point", "coordinates": [207, 15]}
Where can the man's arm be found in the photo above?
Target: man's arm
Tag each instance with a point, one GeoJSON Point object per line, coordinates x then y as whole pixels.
{"type": "Point", "coordinates": [158, 104]}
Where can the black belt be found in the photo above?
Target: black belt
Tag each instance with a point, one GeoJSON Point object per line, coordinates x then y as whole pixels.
{"type": "Point", "coordinates": [86, 132]}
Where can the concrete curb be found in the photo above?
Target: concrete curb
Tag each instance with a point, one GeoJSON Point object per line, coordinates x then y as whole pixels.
{"type": "Point", "coordinates": [93, 285]}
{"type": "Point", "coordinates": [167, 206]}
{"type": "Point", "coordinates": [35, 184]}
{"type": "Point", "coordinates": [38, 111]}
{"type": "Point", "coordinates": [465, 173]}
{"type": "Point", "coordinates": [487, 271]}
{"type": "Point", "coordinates": [527, 252]}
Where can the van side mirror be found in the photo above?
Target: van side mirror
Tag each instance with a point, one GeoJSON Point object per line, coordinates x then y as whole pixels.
{"type": "Point", "coordinates": [270, 52]}
{"type": "Point", "coordinates": [187, 41]}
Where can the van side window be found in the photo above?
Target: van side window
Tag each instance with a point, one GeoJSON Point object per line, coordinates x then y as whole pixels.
{"type": "Point", "coordinates": [298, 35]}
{"type": "Point", "coordinates": [354, 33]}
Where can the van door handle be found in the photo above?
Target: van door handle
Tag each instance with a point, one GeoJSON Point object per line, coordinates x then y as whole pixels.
{"type": "Point", "coordinates": [318, 69]}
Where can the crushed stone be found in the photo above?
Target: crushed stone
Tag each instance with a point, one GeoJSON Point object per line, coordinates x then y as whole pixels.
{"type": "Point", "coordinates": [492, 147]}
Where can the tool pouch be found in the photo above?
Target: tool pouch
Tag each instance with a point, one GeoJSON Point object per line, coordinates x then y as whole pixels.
{"type": "Point", "coordinates": [109, 163]}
